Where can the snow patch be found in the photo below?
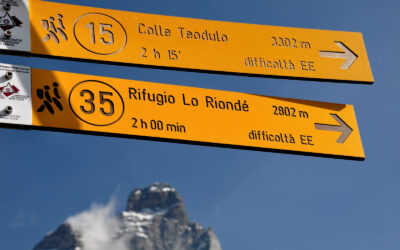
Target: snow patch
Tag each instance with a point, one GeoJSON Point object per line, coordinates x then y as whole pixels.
{"type": "Point", "coordinates": [142, 235]}
{"type": "Point", "coordinates": [168, 189]}
{"type": "Point", "coordinates": [138, 222]}
{"type": "Point", "coordinates": [161, 189]}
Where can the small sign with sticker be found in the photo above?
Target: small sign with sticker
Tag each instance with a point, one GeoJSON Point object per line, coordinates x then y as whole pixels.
{"type": "Point", "coordinates": [15, 95]}
{"type": "Point", "coordinates": [15, 25]}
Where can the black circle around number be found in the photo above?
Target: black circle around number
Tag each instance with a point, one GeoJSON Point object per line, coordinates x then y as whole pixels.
{"type": "Point", "coordinates": [80, 118]}
{"type": "Point", "coordinates": [94, 52]}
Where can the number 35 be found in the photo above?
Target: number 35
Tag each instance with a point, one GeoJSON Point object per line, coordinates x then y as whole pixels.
{"type": "Point", "coordinates": [103, 100]}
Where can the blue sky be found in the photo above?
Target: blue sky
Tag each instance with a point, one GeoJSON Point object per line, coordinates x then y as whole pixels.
{"type": "Point", "coordinates": [253, 200]}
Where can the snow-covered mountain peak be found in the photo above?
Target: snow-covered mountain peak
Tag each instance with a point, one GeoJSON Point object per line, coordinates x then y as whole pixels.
{"type": "Point", "coordinates": [154, 219]}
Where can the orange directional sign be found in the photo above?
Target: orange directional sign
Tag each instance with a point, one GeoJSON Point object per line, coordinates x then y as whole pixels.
{"type": "Point", "coordinates": [152, 110]}
{"type": "Point", "coordinates": [135, 38]}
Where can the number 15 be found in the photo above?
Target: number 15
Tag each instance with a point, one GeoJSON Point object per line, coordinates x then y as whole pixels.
{"type": "Point", "coordinates": [103, 31]}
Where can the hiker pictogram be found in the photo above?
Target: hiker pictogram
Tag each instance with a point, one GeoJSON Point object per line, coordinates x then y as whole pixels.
{"type": "Point", "coordinates": [48, 100]}
{"type": "Point", "coordinates": [53, 29]}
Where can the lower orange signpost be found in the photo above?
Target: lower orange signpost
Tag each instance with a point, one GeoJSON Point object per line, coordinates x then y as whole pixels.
{"type": "Point", "coordinates": [153, 110]}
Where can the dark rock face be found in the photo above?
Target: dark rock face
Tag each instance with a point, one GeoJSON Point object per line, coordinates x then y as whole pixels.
{"type": "Point", "coordinates": [64, 238]}
{"type": "Point", "coordinates": [157, 198]}
{"type": "Point", "coordinates": [155, 219]}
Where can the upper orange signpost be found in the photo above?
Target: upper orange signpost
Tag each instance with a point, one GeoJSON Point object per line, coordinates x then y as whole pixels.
{"type": "Point", "coordinates": [146, 39]}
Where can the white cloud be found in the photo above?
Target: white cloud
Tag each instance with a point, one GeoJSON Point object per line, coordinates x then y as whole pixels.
{"type": "Point", "coordinates": [98, 228]}
{"type": "Point", "coordinates": [24, 219]}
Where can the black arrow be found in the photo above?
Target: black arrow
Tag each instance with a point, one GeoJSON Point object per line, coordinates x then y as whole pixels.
{"type": "Point", "coordinates": [342, 127]}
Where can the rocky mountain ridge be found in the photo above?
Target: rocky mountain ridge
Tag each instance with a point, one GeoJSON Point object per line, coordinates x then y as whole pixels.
{"type": "Point", "coordinates": [154, 219]}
